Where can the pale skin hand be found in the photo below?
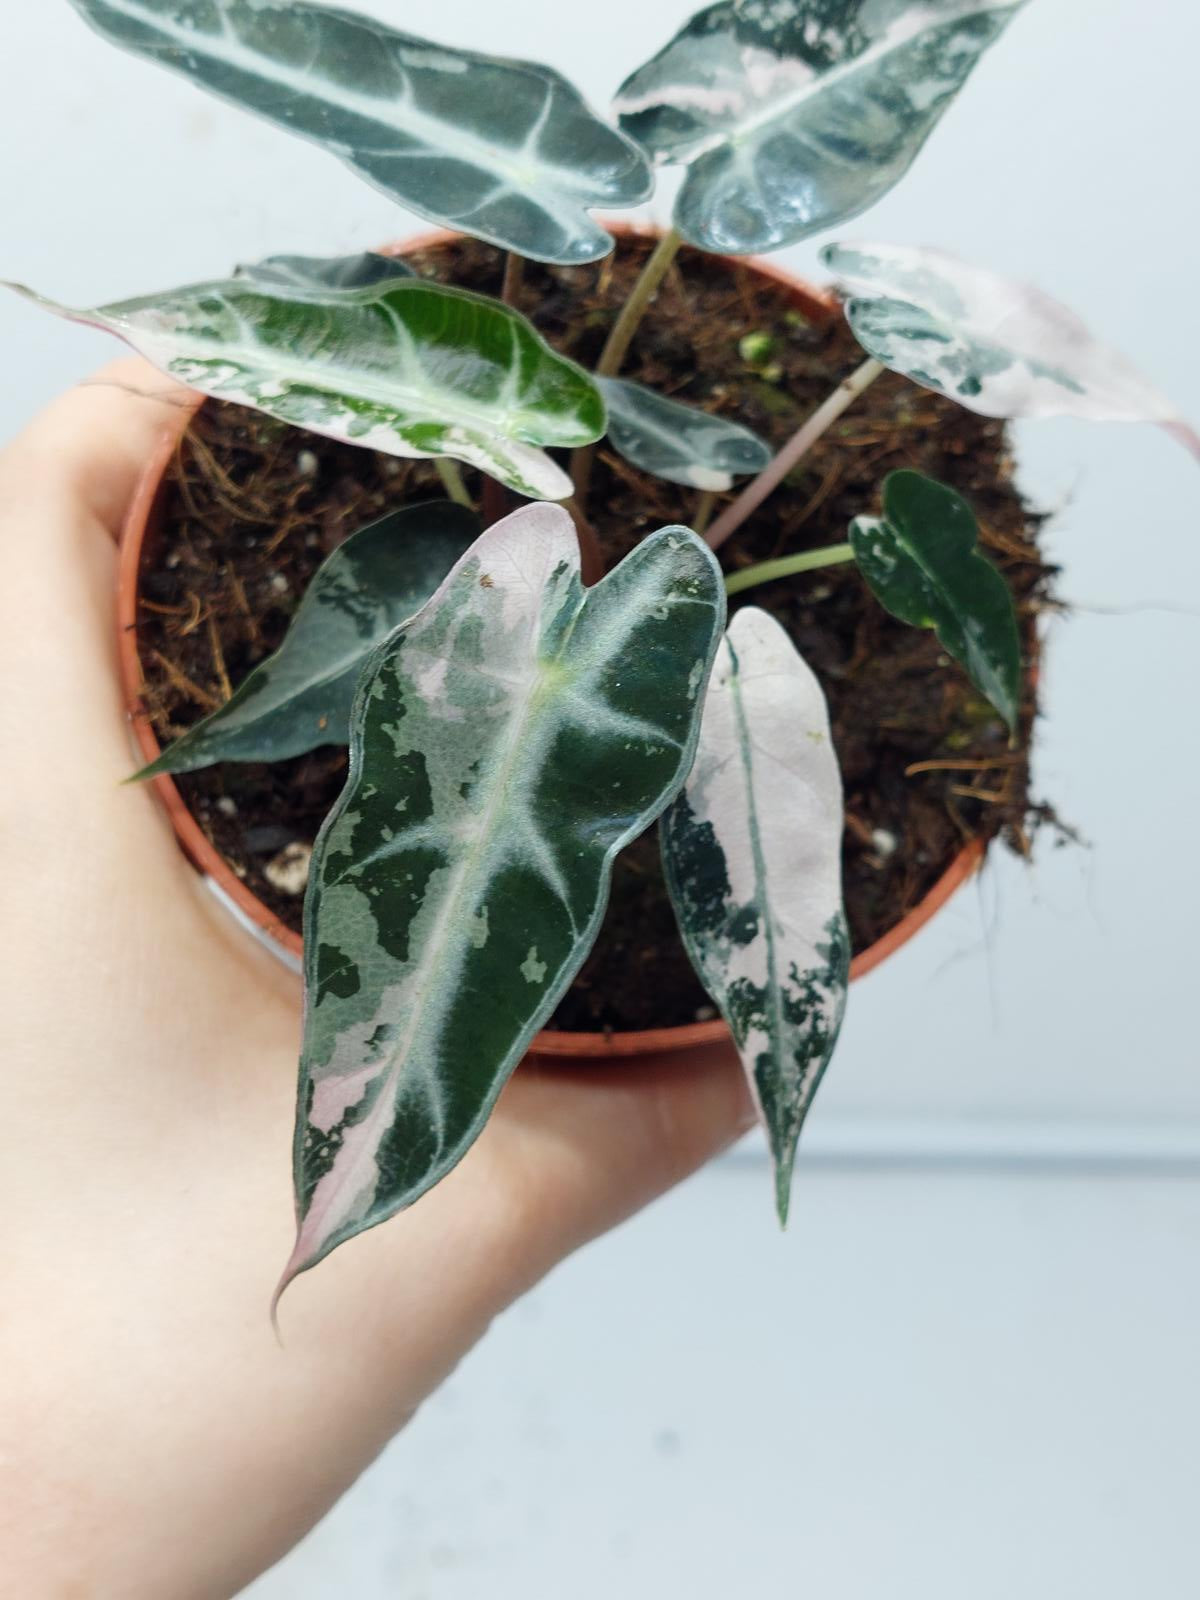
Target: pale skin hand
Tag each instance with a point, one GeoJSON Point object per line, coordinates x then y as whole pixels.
{"type": "Point", "coordinates": [155, 1439]}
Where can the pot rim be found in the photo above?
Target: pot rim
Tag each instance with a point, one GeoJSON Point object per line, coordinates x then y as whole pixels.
{"type": "Point", "coordinates": [140, 522]}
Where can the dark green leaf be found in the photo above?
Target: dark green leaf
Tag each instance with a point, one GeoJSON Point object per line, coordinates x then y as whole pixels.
{"type": "Point", "coordinates": [921, 561]}
{"type": "Point", "coordinates": [502, 149]}
{"type": "Point", "coordinates": [506, 744]}
{"type": "Point", "coordinates": [301, 696]}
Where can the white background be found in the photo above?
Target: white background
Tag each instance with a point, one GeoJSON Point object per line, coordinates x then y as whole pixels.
{"type": "Point", "coordinates": [960, 1375]}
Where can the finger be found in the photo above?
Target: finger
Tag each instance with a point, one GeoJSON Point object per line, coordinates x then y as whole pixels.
{"type": "Point", "coordinates": [88, 450]}
{"type": "Point", "coordinates": [65, 484]}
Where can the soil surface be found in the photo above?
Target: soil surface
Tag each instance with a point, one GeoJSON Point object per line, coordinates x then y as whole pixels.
{"type": "Point", "coordinates": [252, 508]}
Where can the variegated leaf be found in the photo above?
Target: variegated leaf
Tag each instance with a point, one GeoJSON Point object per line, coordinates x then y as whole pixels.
{"type": "Point", "coordinates": [793, 115]}
{"type": "Point", "coordinates": [997, 346]}
{"type": "Point", "coordinates": [506, 743]}
{"type": "Point", "coordinates": [406, 367]}
{"type": "Point", "coordinates": [752, 851]}
{"type": "Point", "coordinates": [301, 696]}
{"type": "Point", "coordinates": [679, 442]}
{"type": "Point", "coordinates": [922, 562]}
{"type": "Point", "coordinates": [502, 149]}
{"type": "Point", "coordinates": [304, 273]}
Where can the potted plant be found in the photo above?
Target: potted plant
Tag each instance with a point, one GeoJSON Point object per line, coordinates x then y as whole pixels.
{"type": "Point", "coordinates": [523, 690]}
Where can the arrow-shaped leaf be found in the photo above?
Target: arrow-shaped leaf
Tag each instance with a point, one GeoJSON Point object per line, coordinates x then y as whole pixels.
{"type": "Point", "coordinates": [506, 743]}
{"type": "Point", "coordinates": [676, 441]}
{"type": "Point", "coordinates": [301, 696]}
{"type": "Point", "coordinates": [305, 273]}
{"type": "Point", "coordinates": [921, 562]}
{"type": "Point", "coordinates": [997, 346]}
{"type": "Point", "coordinates": [752, 850]}
{"type": "Point", "coordinates": [505, 150]}
{"type": "Point", "coordinates": [403, 366]}
{"type": "Point", "coordinates": [792, 115]}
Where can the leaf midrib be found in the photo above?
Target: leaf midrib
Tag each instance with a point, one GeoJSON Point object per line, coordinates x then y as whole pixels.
{"type": "Point", "coordinates": [264, 359]}
{"type": "Point", "coordinates": [462, 877]}
{"type": "Point", "coordinates": [745, 748]}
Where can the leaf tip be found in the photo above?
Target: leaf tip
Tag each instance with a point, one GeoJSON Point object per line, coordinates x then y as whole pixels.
{"type": "Point", "coordinates": [152, 769]}
{"type": "Point", "coordinates": [297, 1263]}
{"type": "Point", "coordinates": [784, 1165]}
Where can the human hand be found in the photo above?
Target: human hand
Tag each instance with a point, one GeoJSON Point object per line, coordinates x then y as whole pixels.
{"type": "Point", "coordinates": [155, 1438]}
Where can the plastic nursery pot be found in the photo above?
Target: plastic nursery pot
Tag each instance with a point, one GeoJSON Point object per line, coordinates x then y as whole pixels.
{"type": "Point", "coordinates": [707, 1040]}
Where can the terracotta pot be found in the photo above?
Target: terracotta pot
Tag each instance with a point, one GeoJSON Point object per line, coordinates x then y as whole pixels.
{"type": "Point", "coordinates": [701, 1039]}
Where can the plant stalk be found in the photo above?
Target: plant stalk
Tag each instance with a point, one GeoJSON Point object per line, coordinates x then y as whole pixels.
{"type": "Point", "coordinates": [793, 452]}
{"type": "Point", "coordinates": [620, 337]}
{"type": "Point", "coordinates": [829, 555]}
{"type": "Point", "coordinates": [514, 275]}
{"type": "Point", "coordinates": [452, 481]}
{"type": "Point", "coordinates": [591, 556]}
{"type": "Point", "coordinates": [706, 502]}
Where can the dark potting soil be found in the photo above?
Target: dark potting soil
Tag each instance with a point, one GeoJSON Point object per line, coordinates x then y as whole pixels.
{"type": "Point", "coordinates": [253, 507]}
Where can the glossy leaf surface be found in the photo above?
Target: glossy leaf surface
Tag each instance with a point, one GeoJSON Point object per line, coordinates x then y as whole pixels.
{"type": "Point", "coordinates": [404, 366]}
{"type": "Point", "coordinates": [997, 346]}
{"type": "Point", "coordinates": [505, 744]}
{"type": "Point", "coordinates": [305, 273]}
{"type": "Point", "coordinates": [793, 115]}
{"type": "Point", "coordinates": [922, 564]}
{"type": "Point", "coordinates": [301, 696]}
{"type": "Point", "coordinates": [678, 442]}
{"type": "Point", "coordinates": [752, 850]}
{"type": "Point", "coordinates": [505, 150]}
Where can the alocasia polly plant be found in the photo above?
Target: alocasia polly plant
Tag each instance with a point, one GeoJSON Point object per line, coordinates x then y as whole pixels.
{"type": "Point", "coordinates": [509, 728]}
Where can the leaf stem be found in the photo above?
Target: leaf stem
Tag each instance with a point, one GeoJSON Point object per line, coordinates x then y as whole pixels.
{"type": "Point", "coordinates": [829, 555]}
{"type": "Point", "coordinates": [620, 337]}
{"type": "Point", "coordinates": [793, 452]}
{"type": "Point", "coordinates": [514, 276]}
{"type": "Point", "coordinates": [452, 480]}
{"type": "Point", "coordinates": [706, 502]}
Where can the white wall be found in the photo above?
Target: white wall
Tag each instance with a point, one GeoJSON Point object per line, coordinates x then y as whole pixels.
{"type": "Point", "coordinates": [937, 1386]}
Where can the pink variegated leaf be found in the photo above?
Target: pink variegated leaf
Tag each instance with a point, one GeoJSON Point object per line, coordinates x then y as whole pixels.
{"type": "Point", "coordinates": [997, 346]}
{"type": "Point", "coordinates": [505, 744]}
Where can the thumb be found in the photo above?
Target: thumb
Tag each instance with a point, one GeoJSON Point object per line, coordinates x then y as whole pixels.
{"type": "Point", "coordinates": [87, 451]}
{"type": "Point", "coordinates": [65, 486]}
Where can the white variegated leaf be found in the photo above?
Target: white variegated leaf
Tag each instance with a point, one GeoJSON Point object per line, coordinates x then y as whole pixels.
{"type": "Point", "coordinates": [505, 150]}
{"type": "Point", "coordinates": [752, 850]}
{"type": "Point", "coordinates": [994, 344]}
{"type": "Point", "coordinates": [304, 273]}
{"type": "Point", "coordinates": [793, 115]}
{"type": "Point", "coordinates": [402, 366]}
{"type": "Point", "coordinates": [679, 442]}
{"type": "Point", "coordinates": [505, 744]}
